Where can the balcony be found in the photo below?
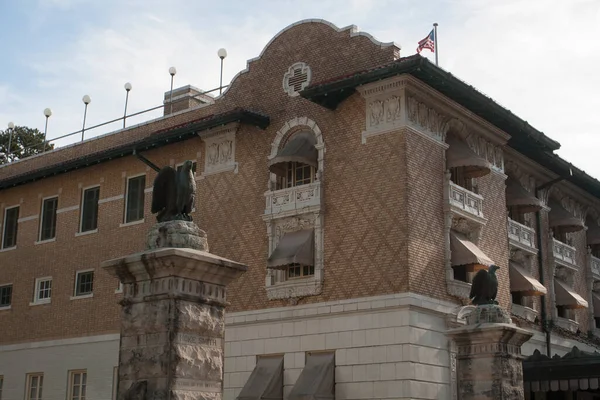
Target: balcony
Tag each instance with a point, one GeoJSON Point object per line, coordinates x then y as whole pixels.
{"type": "Point", "coordinates": [564, 254]}
{"type": "Point", "coordinates": [595, 267]}
{"type": "Point", "coordinates": [293, 199]}
{"type": "Point", "coordinates": [466, 203]}
{"type": "Point", "coordinates": [521, 236]}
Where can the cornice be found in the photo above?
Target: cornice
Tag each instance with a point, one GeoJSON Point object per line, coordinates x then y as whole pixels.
{"type": "Point", "coordinates": [427, 94]}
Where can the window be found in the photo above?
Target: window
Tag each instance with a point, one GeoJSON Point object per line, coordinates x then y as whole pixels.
{"type": "Point", "coordinates": [299, 271]}
{"type": "Point", "coordinates": [48, 225]}
{"type": "Point", "coordinates": [134, 204]}
{"type": "Point", "coordinates": [1, 384]}
{"type": "Point", "coordinates": [77, 385]}
{"type": "Point", "coordinates": [563, 312]}
{"type": "Point", "coordinates": [457, 176]}
{"type": "Point", "coordinates": [194, 164]}
{"type": "Point", "coordinates": [517, 216]}
{"type": "Point", "coordinates": [34, 386]}
{"type": "Point", "coordinates": [562, 236]}
{"type": "Point", "coordinates": [84, 283]}
{"type": "Point", "coordinates": [43, 290]}
{"type": "Point", "coordinates": [597, 319]}
{"type": "Point", "coordinates": [518, 298]}
{"type": "Point", "coordinates": [5, 296]}
{"type": "Point", "coordinates": [89, 209]}
{"type": "Point", "coordinates": [296, 174]}
{"type": "Point", "coordinates": [9, 230]}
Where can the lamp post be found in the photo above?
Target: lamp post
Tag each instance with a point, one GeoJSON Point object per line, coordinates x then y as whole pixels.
{"type": "Point", "coordinates": [222, 53]}
{"type": "Point", "coordinates": [11, 127]}
{"type": "Point", "coordinates": [47, 114]}
{"type": "Point", "coordinates": [172, 72]}
{"type": "Point", "coordinates": [86, 100]}
{"type": "Point", "coordinates": [127, 89]}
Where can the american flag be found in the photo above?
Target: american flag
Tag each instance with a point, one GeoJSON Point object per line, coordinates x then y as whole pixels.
{"type": "Point", "coordinates": [427, 43]}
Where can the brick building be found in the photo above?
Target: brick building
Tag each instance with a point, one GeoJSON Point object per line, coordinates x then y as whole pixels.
{"type": "Point", "coordinates": [363, 190]}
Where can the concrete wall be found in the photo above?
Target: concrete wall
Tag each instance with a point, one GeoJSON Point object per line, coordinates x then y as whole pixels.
{"type": "Point", "coordinates": [391, 346]}
{"type": "Point", "coordinates": [97, 354]}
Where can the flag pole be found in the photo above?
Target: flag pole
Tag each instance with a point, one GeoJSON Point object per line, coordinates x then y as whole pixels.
{"type": "Point", "coordinates": [435, 25]}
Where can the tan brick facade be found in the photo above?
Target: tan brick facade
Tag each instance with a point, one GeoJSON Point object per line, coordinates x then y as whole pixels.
{"type": "Point", "coordinates": [383, 207]}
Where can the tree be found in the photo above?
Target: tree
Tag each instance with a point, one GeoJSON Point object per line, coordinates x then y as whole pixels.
{"type": "Point", "coordinates": [25, 142]}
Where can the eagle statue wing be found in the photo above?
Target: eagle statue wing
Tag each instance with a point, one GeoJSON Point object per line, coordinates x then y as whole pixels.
{"type": "Point", "coordinates": [480, 284]}
{"type": "Point", "coordinates": [164, 194]}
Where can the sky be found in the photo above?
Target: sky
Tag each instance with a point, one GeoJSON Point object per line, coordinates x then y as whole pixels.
{"type": "Point", "coordinates": [538, 58]}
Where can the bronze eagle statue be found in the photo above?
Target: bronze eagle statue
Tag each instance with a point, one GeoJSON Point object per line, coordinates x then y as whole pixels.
{"type": "Point", "coordinates": [485, 287]}
{"type": "Point", "coordinates": [174, 193]}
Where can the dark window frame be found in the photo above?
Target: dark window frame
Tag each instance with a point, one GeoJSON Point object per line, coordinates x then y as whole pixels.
{"type": "Point", "coordinates": [135, 214]}
{"type": "Point", "coordinates": [6, 293]}
{"type": "Point", "coordinates": [48, 227]}
{"type": "Point", "coordinates": [7, 244]}
{"type": "Point", "coordinates": [88, 218]}
{"type": "Point", "coordinates": [89, 283]}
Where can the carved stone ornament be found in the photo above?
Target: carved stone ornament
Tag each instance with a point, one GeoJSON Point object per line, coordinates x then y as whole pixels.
{"type": "Point", "coordinates": [489, 151]}
{"type": "Point", "coordinates": [296, 78]}
{"type": "Point", "coordinates": [220, 150]}
{"type": "Point", "coordinates": [426, 119]}
{"type": "Point", "coordinates": [291, 225]}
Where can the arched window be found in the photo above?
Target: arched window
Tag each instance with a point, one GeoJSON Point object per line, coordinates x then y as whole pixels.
{"type": "Point", "coordinates": [296, 161]}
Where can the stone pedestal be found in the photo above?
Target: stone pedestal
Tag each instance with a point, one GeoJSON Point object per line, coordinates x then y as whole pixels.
{"type": "Point", "coordinates": [173, 325]}
{"type": "Point", "coordinates": [489, 361]}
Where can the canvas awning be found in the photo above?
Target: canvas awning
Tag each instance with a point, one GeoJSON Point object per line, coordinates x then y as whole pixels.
{"type": "Point", "coordinates": [593, 234]}
{"type": "Point", "coordinates": [518, 197]}
{"type": "Point", "coordinates": [459, 154]}
{"type": "Point", "coordinates": [596, 302]}
{"type": "Point", "coordinates": [561, 218]}
{"type": "Point", "coordinates": [265, 381]}
{"type": "Point", "coordinates": [294, 248]}
{"type": "Point", "coordinates": [577, 370]}
{"type": "Point", "coordinates": [300, 148]}
{"type": "Point", "coordinates": [316, 381]}
{"type": "Point", "coordinates": [465, 252]}
{"type": "Point", "coordinates": [567, 297]}
{"type": "Point", "coordinates": [521, 281]}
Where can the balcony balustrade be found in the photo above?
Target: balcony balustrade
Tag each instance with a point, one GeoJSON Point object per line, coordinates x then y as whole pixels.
{"type": "Point", "coordinates": [466, 201]}
{"type": "Point", "coordinates": [521, 236]}
{"type": "Point", "coordinates": [293, 198]}
{"type": "Point", "coordinates": [564, 254]}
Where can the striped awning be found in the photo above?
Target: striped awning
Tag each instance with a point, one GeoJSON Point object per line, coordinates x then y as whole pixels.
{"type": "Point", "coordinates": [521, 281]}
{"type": "Point", "coordinates": [567, 297]}
{"type": "Point", "coordinates": [465, 252]}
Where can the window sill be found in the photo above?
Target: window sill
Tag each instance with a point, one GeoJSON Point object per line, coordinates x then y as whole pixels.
{"type": "Point", "coordinates": [45, 241]}
{"type": "Point", "coordinates": [8, 249]}
{"type": "Point", "coordinates": [5, 308]}
{"type": "Point", "coordinates": [86, 232]}
{"type": "Point", "coordinates": [524, 312]}
{"type": "Point", "coordinates": [140, 221]}
{"type": "Point", "coordinates": [40, 302]}
{"type": "Point", "coordinates": [567, 324]}
{"type": "Point", "coordinates": [83, 296]}
{"type": "Point", "coordinates": [297, 287]}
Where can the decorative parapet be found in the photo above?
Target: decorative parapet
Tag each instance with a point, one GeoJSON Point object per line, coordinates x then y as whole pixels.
{"type": "Point", "coordinates": [564, 254]}
{"type": "Point", "coordinates": [220, 150]}
{"type": "Point", "coordinates": [521, 236]}
{"type": "Point", "coordinates": [524, 312]}
{"type": "Point", "coordinates": [568, 324]}
{"type": "Point", "coordinates": [465, 202]}
{"type": "Point", "coordinates": [294, 198]}
{"type": "Point", "coordinates": [595, 267]}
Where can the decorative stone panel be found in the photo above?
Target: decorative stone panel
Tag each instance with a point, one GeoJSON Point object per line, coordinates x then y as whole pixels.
{"type": "Point", "coordinates": [297, 77]}
{"type": "Point", "coordinates": [219, 152]}
{"type": "Point", "coordinates": [487, 150]}
{"type": "Point", "coordinates": [427, 119]}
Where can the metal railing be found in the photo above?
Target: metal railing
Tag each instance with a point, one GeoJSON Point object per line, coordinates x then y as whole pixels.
{"type": "Point", "coordinates": [44, 145]}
